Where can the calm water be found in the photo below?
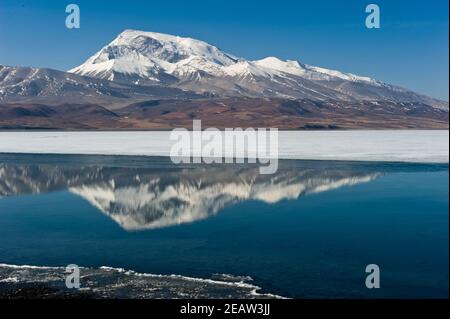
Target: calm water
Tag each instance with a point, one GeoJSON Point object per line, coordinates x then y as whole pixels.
{"type": "Point", "coordinates": [307, 231]}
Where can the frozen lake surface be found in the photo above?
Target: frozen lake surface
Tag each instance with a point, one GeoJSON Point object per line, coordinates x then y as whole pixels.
{"type": "Point", "coordinates": [388, 145]}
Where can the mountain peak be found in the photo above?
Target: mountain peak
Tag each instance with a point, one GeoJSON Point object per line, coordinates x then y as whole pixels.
{"type": "Point", "coordinates": [151, 58]}
{"type": "Point", "coordinates": [288, 66]}
{"type": "Point", "coordinates": [274, 60]}
{"type": "Point", "coordinates": [129, 34]}
{"type": "Point", "coordinates": [169, 48]}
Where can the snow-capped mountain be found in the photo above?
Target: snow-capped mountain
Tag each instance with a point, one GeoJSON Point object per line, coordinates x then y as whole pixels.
{"type": "Point", "coordinates": [149, 58]}
{"type": "Point", "coordinates": [154, 58]}
{"type": "Point", "coordinates": [146, 80]}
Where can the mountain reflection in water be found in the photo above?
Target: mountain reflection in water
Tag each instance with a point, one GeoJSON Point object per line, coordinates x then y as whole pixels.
{"type": "Point", "coordinates": [156, 195]}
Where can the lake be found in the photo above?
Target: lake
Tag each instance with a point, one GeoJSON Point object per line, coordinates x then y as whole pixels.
{"type": "Point", "coordinates": [308, 231]}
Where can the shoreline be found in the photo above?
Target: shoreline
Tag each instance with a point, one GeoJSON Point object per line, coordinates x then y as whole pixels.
{"type": "Point", "coordinates": [48, 282]}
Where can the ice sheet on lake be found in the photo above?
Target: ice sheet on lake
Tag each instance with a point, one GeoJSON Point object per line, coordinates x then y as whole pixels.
{"type": "Point", "coordinates": [387, 145]}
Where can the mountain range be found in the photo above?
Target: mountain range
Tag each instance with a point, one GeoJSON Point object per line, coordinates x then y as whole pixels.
{"type": "Point", "coordinates": [147, 80]}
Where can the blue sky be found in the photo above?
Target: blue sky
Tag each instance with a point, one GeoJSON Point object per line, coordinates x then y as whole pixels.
{"type": "Point", "coordinates": [410, 49]}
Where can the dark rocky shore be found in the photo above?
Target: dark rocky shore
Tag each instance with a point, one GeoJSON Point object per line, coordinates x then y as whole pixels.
{"type": "Point", "coordinates": [29, 282]}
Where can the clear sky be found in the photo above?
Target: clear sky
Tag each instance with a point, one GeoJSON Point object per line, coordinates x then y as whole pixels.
{"type": "Point", "coordinates": [411, 48]}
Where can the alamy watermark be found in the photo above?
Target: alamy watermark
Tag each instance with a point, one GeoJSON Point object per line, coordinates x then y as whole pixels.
{"type": "Point", "coordinates": [73, 19]}
{"type": "Point", "coordinates": [232, 145]}
{"type": "Point", "coordinates": [373, 19]}
{"type": "Point", "coordinates": [73, 277]}
{"type": "Point", "coordinates": [373, 277]}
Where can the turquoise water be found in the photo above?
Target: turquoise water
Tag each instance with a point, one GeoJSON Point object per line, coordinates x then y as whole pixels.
{"type": "Point", "coordinates": [306, 232]}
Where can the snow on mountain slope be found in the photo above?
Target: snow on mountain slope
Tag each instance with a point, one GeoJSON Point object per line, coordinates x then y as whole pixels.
{"type": "Point", "coordinates": [25, 84]}
{"type": "Point", "coordinates": [310, 72]}
{"type": "Point", "coordinates": [148, 57]}
{"type": "Point", "coordinates": [153, 58]}
{"type": "Point", "coordinates": [145, 54]}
